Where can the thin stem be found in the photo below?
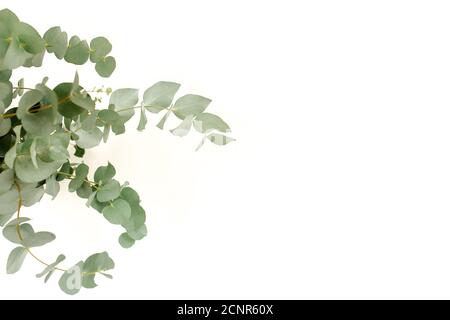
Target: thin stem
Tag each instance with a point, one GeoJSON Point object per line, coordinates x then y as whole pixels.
{"type": "Point", "coordinates": [42, 107]}
{"type": "Point", "coordinates": [71, 176]}
{"type": "Point", "coordinates": [21, 238]}
{"type": "Point", "coordinates": [23, 88]}
{"type": "Point", "coordinates": [126, 109]}
{"type": "Point", "coordinates": [19, 233]}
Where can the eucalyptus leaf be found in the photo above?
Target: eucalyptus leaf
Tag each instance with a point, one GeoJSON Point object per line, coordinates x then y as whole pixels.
{"type": "Point", "coordinates": [190, 104]}
{"type": "Point", "coordinates": [100, 48]}
{"type": "Point", "coordinates": [105, 67]}
{"type": "Point", "coordinates": [52, 186]}
{"type": "Point", "coordinates": [16, 259]}
{"type": "Point", "coordinates": [51, 268]}
{"type": "Point", "coordinates": [104, 174]}
{"type": "Point", "coordinates": [6, 180]}
{"type": "Point", "coordinates": [220, 139]}
{"type": "Point", "coordinates": [71, 280]}
{"type": "Point", "coordinates": [81, 173]}
{"type": "Point", "coordinates": [206, 122]}
{"type": "Point", "coordinates": [126, 241]}
{"type": "Point", "coordinates": [77, 51]}
{"type": "Point", "coordinates": [118, 212]}
{"type": "Point", "coordinates": [56, 42]}
{"type": "Point", "coordinates": [159, 96]}
{"type": "Point", "coordinates": [109, 191]}
{"type": "Point", "coordinates": [184, 127]}
{"type": "Point", "coordinates": [123, 101]}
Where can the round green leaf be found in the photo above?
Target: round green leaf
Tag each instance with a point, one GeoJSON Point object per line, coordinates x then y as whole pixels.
{"type": "Point", "coordinates": [77, 51]}
{"type": "Point", "coordinates": [109, 191]}
{"type": "Point", "coordinates": [126, 241]}
{"type": "Point", "coordinates": [105, 67]}
{"type": "Point", "coordinates": [66, 107]}
{"type": "Point", "coordinates": [56, 42]}
{"type": "Point", "coordinates": [100, 48]}
{"type": "Point", "coordinates": [105, 174]}
{"type": "Point", "coordinates": [118, 212]}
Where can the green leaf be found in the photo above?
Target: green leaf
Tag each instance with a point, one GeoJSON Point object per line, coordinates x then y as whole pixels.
{"type": "Point", "coordinates": [33, 154]}
{"type": "Point", "coordinates": [85, 190]}
{"type": "Point", "coordinates": [92, 198]}
{"type": "Point", "coordinates": [79, 152]}
{"type": "Point", "coordinates": [77, 51]}
{"type": "Point", "coordinates": [104, 174]}
{"type": "Point", "coordinates": [6, 180]}
{"type": "Point", "coordinates": [5, 218]}
{"type": "Point", "coordinates": [118, 212]}
{"type": "Point", "coordinates": [26, 171]}
{"type": "Point", "coordinates": [184, 127]}
{"type": "Point", "coordinates": [8, 18]}
{"type": "Point", "coordinates": [123, 100]}
{"type": "Point", "coordinates": [100, 48]}
{"type": "Point", "coordinates": [21, 85]}
{"type": "Point", "coordinates": [10, 156]}
{"type": "Point", "coordinates": [5, 75]}
{"type": "Point", "coordinates": [56, 42]}
{"type": "Point", "coordinates": [142, 121]}
{"type": "Point", "coordinates": [40, 123]}
{"type": "Point", "coordinates": [66, 107]}
{"type": "Point", "coordinates": [48, 271]}
{"type": "Point", "coordinates": [5, 126]}
{"type": "Point", "coordinates": [89, 139]}
{"type": "Point", "coordinates": [15, 260]}
{"type": "Point", "coordinates": [66, 170]}
{"type": "Point", "coordinates": [220, 139]}
{"type": "Point", "coordinates": [138, 234]}
{"type": "Point", "coordinates": [108, 116]}
{"type": "Point", "coordinates": [82, 100]}
{"type": "Point", "coordinates": [9, 203]}
{"type": "Point", "coordinates": [160, 96]}
{"type": "Point", "coordinates": [190, 104]}
{"type": "Point", "coordinates": [28, 38]}
{"type": "Point", "coordinates": [130, 195]}
{"type": "Point", "coordinates": [15, 56]}
{"type": "Point", "coordinates": [109, 191]}
{"type": "Point", "coordinates": [206, 122]}
{"type": "Point", "coordinates": [18, 221]}
{"type": "Point", "coordinates": [106, 132]}
{"type": "Point", "coordinates": [81, 173]}
{"type": "Point", "coordinates": [6, 95]}
{"type": "Point", "coordinates": [31, 194]}
{"type": "Point", "coordinates": [31, 239]}
{"type": "Point", "coordinates": [163, 120]}
{"type": "Point", "coordinates": [96, 263]}
{"type": "Point", "coordinates": [88, 122]}
{"type": "Point", "coordinates": [52, 186]}
{"type": "Point", "coordinates": [71, 281]}
{"type": "Point", "coordinates": [29, 100]}
{"type": "Point", "coordinates": [126, 241]}
{"type": "Point", "coordinates": [105, 67]}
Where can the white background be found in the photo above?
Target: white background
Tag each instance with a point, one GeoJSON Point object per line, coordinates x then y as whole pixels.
{"type": "Point", "coordinates": [338, 185]}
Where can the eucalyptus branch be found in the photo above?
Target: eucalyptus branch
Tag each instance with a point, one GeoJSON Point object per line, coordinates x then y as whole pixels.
{"type": "Point", "coordinates": [43, 128]}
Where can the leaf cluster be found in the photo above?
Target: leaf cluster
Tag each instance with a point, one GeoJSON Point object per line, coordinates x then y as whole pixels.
{"type": "Point", "coordinates": [46, 131]}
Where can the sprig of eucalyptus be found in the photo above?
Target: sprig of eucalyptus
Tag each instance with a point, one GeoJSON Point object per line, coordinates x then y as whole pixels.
{"type": "Point", "coordinates": [43, 129]}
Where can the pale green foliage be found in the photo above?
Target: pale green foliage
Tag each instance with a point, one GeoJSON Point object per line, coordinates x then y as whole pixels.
{"type": "Point", "coordinates": [43, 128]}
